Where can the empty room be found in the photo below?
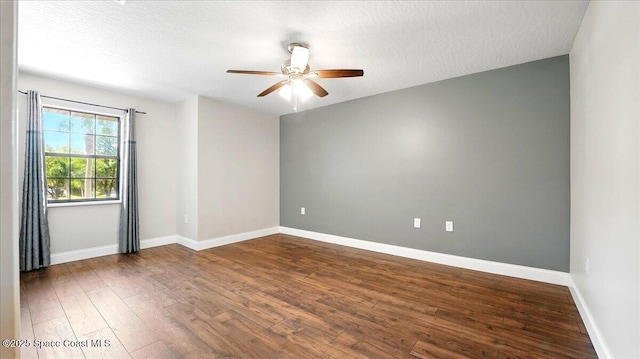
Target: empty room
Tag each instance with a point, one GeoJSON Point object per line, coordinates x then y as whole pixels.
{"type": "Point", "coordinates": [320, 179]}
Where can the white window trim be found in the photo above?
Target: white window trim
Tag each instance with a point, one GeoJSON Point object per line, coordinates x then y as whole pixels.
{"type": "Point", "coordinates": [85, 203]}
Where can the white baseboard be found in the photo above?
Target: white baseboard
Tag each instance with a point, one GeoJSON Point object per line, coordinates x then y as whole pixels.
{"type": "Point", "coordinates": [513, 270]}
{"type": "Point", "coordinates": [86, 253]}
{"type": "Point", "coordinates": [542, 275]}
{"type": "Point", "coordinates": [157, 242]}
{"type": "Point", "coordinates": [80, 254]}
{"type": "Point", "coordinates": [221, 241]}
{"type": "Point", "coordinates": [599, 344]}
{"type": "Point", "coordinates": [187, 242]}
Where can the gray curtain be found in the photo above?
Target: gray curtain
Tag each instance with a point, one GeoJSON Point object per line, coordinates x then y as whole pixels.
{"type": "Point", "coordinates": [129, 234]}
{"type": "Point", "coordinates": [34, 228]}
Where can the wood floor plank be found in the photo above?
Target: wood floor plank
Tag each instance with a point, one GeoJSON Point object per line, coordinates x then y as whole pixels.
{"type": "Point", "coordinates": [157, 350]}
{"type": "Point", "coordinates": [43, 301]}
{"type": "Point", "coordinates": [86, 277]}
{"type": "Point", "coordinates": [50, 339]}
{"type": "Point", "coordinates": [82, 314]}
{"type": "Point", "coordinates": [103, 343]}
{"type": "Point", "coordinates": [26, 333]}
{"type": "Point", "coordinates": [126, 325]}
{"type": "Point", "coordinates": [174, 330]}
{"type": "Point", "coordinates": [282, 296]}
{"type": "Point", "coordinates": [448, 349]}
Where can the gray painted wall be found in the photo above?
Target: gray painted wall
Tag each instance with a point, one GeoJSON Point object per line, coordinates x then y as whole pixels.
{"type": "Point", "coordinates": [489, 151]}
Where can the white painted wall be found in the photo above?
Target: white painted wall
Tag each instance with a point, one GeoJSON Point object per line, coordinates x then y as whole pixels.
{"type": "Point", "coordinates": [605, 173]}
{"type": "Point", "coordinates": [214, 162]}
{"type": "Point", "coordinates": [9, 300]}
{"type": "Point", "coordinates": [80, 227]}
{"type": "Point", "coordinates": [238, 169]}
{"type": "Point", "coordinates": [187, 168]}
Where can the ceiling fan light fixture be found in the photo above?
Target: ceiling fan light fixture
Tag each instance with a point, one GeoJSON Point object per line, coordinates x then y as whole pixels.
{"type": "Point", "coordinates": [286, 92]}
{"type": "Point", "coordinates": [297, 89]}
{"type": "Point", "coordinates": [301, 90]}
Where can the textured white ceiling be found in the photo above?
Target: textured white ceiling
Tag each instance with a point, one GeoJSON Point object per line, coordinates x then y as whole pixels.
{"type": "Point", "coordinates": [171, 50]}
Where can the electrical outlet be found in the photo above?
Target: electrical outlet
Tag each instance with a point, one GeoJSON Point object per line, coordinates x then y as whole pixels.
{"type": "Point", "coordinates": [186, 218]}
{"type": "Point", "coordinates": [303, 211]}
{"type": "Point", "coordinates": [448, 226]}
{"type": "Point", "coordinates": [586, 265]}
{"type": "Point", "coordinates": [416, 223]}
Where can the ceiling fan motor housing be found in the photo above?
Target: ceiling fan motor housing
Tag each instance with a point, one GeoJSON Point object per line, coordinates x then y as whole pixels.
{"type": "Point", "coordinates": [293, 45]}
{"type": "Point", "coordinates": [289, 70]}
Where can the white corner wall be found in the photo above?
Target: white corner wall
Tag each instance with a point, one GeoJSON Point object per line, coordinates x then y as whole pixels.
{"type": "Point", "coordinates": [187, 169]}
{"type": "Point", "coordinates": [228, 176]}
{"type": "Point", "coordinates": [238, 169]}
{"type": "Point", "coordinates": [9, 291]}
{"type": "Point", "coordinates": [605, 175]}
{"type": "Point", "coordinates": [82, 227]}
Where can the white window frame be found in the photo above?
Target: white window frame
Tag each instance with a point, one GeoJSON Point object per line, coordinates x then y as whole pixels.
{"type": "Point", "coordinates": [98, 110]}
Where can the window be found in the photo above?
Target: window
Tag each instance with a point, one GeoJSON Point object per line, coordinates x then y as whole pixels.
{"type": "Point", "coordinates": [82, 156]}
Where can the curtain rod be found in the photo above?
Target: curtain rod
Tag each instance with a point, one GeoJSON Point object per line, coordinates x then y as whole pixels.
{"type": "Point", "coordinates": [85, 103]}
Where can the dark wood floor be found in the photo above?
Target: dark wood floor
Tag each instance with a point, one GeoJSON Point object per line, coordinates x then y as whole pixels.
{"type": "Point", "coordinates": [287, 297]}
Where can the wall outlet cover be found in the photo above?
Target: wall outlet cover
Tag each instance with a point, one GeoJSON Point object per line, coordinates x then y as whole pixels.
{"type": "Point", "coordinates": [586, 265]}
{"type": "Point", "coordinates": [448, 226]}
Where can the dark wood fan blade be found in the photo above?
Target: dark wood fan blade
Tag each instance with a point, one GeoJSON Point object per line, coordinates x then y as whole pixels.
{"type": "Point", "coordinates": [315, 88]}
{"type": "Point", "coordinates": [248, 72]}
{"type": "Point", "coordinates": [326, 74]}
{"type": "Point", "coordinates": [273, 88]}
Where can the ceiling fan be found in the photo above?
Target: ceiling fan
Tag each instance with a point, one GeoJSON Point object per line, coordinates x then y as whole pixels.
{"type": "Point", "coordinates": [299, 77]}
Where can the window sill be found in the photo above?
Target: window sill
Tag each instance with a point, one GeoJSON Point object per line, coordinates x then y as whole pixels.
{"type": "Point", "coordinates": [76, 204]}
